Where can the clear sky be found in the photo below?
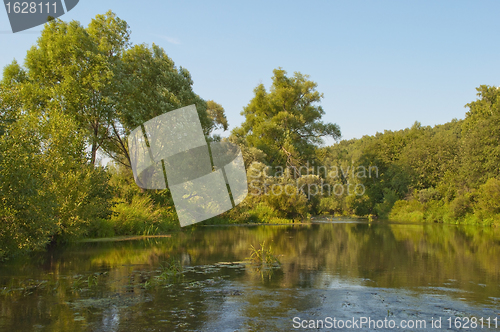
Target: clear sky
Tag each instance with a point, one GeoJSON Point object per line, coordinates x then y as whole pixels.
{"type": "Point", "coordinates": [380, 64]}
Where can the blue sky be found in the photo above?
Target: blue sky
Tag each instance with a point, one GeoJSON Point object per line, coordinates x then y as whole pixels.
{"type": "Point", "coordinates": [380, 64]}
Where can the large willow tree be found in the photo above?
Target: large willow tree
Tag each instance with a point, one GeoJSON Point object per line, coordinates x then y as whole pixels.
{"type": "Point", "coordinates": [108, 85]}
{"type": "Point", "coordinates": [285, 123]}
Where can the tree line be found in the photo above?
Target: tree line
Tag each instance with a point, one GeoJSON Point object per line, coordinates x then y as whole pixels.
{"type": "Point", "coordinates": [82, 90]}
{"type": "Point", "coordinates": [446, 173]}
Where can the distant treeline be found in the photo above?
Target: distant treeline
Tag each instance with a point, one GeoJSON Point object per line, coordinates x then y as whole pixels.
{"type": "Point", "coordinates": [447, 173]}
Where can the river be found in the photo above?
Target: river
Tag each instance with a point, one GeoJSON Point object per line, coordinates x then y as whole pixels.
{"type": "Point", "coordinates": [201, 279]}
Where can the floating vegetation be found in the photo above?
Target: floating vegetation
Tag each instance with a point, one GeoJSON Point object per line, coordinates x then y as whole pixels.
{"type": "Point", "coordinates": [28, 286]}
{"type": "Point", "coordinates": [173, 272]}
{"type": "Point", "coordinates": [83, 283]}
{"type": "Point", "coordinates": [168, 274]}
{"type": "Point", "coordinates": [116, 300]}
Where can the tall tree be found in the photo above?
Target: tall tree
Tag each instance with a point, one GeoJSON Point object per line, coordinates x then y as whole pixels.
{"type": "Point", "coordinates": [108, 86]}
{"type": "Point", "coordinates": [480, 149]}
{"type": "Point", "coordinates": [77, 67]}
{"type": "Point", "coordinates": [285, 122]}
{"type": "Point", "coordinates": [149, 85]}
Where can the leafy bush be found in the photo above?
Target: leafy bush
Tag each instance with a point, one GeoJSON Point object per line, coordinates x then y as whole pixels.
{"type": "Point", "coordinates": [428, 194]}
{"type": "Point", "coordinates": [141, 217]}
{"type": "Point", "coordinates": [411, 210]}
{"type": "Point", "coordinates": [460, 206]}
{"type": "Point", "coordinates": [101, 228]}
{"type": "Point", "coordinates": [358, 205]}
{"type": "Point", "coordinates": [273, 196]}
{"type": "Point", "coordinates": [436, 211]}
{"type": "Point", "coordinates": [331, 205]}
{"type": "Point", "coordinates": [488, 200]}
{"type": "Point", "coordinates": [122, 179]}
{"type": "Point", "coordinates": [290, 204]}
{"type": "Point", "coordinates": [383, 209]}
{"type": "Point", "coordinates": [263, 213]}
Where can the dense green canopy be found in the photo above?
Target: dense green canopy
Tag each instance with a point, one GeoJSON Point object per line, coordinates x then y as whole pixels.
{"type": "Point", "coordinates": [285, 123]}
{"type": "Point", "coordinates": [81, 90]}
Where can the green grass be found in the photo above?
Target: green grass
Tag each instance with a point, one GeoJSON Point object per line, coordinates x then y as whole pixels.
{"type": "Point", "coordinates": [263, 255]}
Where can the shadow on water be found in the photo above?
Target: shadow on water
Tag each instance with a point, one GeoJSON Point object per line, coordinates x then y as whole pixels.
{"type": "Point", "coordinates": [202, 280]}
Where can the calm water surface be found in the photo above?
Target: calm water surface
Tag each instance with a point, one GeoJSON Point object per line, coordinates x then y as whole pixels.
{"type": "Point", "coordinates": [340, 269]}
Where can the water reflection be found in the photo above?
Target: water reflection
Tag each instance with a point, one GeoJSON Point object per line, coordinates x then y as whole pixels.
{"type": "Point", "coordinates": [108, 286]}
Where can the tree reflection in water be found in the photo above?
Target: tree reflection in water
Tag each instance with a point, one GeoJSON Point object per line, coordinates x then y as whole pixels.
{"type": "Point", "coordinates": [341, 265]}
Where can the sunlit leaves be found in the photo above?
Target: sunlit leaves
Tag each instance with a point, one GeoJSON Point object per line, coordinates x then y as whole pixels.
{"type": "Point", "coordinates": [285, 122]}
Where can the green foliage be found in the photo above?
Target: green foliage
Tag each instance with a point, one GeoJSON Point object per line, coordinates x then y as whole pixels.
{"type": "Point", "coordinates": [436, 211]}
{"type": "Point", "coordinates": [428, 194]}
{"type": "Point", "coordinates": [76, 69]}
{"type": "Point", "coordinates": [264, 261]}
{"type": "Point", "coordinates": [411, 210]}
{"type": "Point", "coordinates": [330, 205]}
{"type": "Point", "coordinates": [480, 149]}
{"type": "Point", "coordinates": [26, 206]}
{"type": "Point", "coordinates": [171, 270]}
{"type": "Point", "coordinates": [263, 212]}
{"type": "Point", "coordinates": [140, 217]}
{"type": "Point", "coordinates": [285, 123]}
{"type": "Point", "coordinates": [383, 209]}
{"type": "Point", "coordinates": [451, 169]}
{"type": "Point", "coordinates": [122, 179]}
{"type": "Point", "coordinates": [460, 206]}
{"type": "Point", "coordinates": [83, 89]}
{"type": "Point", "coordinates": [150, 85]}
{"type": "Point", "coordinates": [137, 212]}
{"type": "Point", "coordinates": [101, 228]}
{"type": "Point", "coordinates": [108, 86]}
{"type": "Point", "coordinates": [83, 194]}
{"type": "Point", "coordinates": [274, 197]}
{"type": "Point", "coordinates": [358, 205]}
{"type": "Point", "coordinates": [291, 206]}
{"type": "Point", "coordinates": [263, 255]}
{"type": "Point", "coordinates": [488, 199]}
{"type": "Point", "coordinates": [48, 192]}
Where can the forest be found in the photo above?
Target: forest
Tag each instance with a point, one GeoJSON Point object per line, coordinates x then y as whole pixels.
{"type": "Point", "coordinates": [82, 90]}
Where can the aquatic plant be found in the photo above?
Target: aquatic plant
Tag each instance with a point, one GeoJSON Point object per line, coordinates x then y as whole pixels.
{"type": "Point", "coordinates": [264, 261]}
{"type": "Point", "coordinates": [263, 255]}
{"type": "Point", "coordinates": [172, 268]}
{"type": "Point", "coordinates": [92, 280]}
{"type": "Point", "coordinates": [170, 271]}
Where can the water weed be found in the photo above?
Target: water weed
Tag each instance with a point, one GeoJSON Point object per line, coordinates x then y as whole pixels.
{"type": "Point", "coordinates": [263, 255]}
